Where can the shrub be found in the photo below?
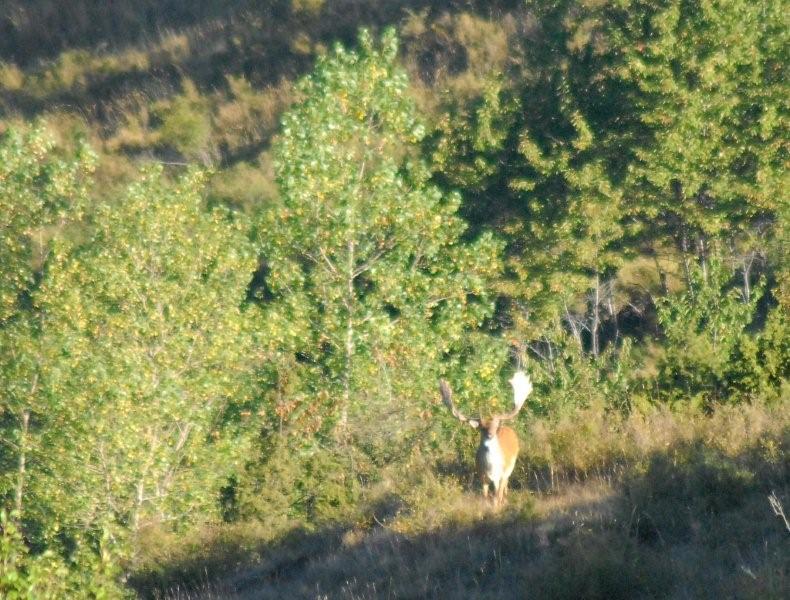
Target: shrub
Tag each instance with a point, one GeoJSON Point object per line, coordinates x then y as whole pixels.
{"type": "Point", "coordinates": [90, 571]}
{"type": "Point", "coordinates": [705, 326]}
{"type": "Point", "coordinates": [185, 123]}
{"type": "Point", "coordinates": [11, 77]}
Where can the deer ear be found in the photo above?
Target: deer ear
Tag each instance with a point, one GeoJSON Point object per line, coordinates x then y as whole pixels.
{"type": "Point", "coordinates": [474, 423]}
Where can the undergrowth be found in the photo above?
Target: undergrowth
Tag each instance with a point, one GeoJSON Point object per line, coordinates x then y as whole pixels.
{"type": "Point", "coordinates": [657, 504]}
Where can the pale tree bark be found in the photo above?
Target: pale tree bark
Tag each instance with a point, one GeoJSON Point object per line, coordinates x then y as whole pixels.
{"type": "Point", "coordinates": [610, 304]}
{"type": "Point", "coordinates": [24, 440]}
{"type": "Point", "coordinates": [575, 329]}
{"type": "Point", "coordinates": [702, 257]}
{"type": "Point", "coordinates": [596, 316]}
{"type": "Point", "coordinates": [350, 275]}
{"type": "Point", "coordinates": [22, 463]}
{"type": "Point", "coordinates": [747, 263]}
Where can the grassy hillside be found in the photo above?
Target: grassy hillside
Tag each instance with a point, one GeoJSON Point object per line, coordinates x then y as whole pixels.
{"type": "Point", "coordinates": [659, 506]}
{"type": "Point", "coordinates": [208, 390]}
{"type": "Point", "coordinates": [106, 64]}
{"type": "Point", "coordinates": [206, 82]}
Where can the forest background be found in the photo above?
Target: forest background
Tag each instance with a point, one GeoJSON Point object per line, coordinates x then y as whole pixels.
{"type": "Point", "coordinates": [242, 242]}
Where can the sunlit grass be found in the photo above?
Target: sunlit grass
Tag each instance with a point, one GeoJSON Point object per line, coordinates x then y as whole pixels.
{"type": "Point", "coordinates": [683, 511]}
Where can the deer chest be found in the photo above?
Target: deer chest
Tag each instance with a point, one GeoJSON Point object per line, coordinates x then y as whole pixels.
{"type": "Point", "coordinates": [490, 460]}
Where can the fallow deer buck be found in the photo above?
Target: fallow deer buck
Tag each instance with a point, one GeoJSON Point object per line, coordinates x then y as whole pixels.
{"type": "Point", "coordinates": [498, 450]}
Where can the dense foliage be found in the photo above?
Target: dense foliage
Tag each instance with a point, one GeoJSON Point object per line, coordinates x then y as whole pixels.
{"type": "Point", "coordinates": [594, 191]}
{"type": "Point", "coordinates": [364, 259]}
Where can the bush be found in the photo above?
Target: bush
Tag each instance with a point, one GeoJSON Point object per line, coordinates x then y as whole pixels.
{"type": "Point", "coordinates": [90, 571]}
{"type": "Point", "coordinates": [186, 125]}
{"type": "Point", "coordinates": [294, 482]}
{"type": "Point", "coordinates": [706, 335]}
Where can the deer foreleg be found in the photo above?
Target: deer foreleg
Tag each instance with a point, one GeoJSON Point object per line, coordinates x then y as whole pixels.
{"type": "Point", "coordinates": [501, 490]}
{"type": "Point", "coordinates": [497, 492]}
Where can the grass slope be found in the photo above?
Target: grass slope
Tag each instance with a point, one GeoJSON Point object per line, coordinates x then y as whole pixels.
{"type": "Point", "coordinates": [688, 517]}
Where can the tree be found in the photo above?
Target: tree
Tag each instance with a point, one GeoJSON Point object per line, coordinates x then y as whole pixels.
{"type": "Point", "coordinates": [148, 361]}
{"type": "Point", "coordinates": [705, 327]}
{"type": "Point", "coordinates": [573, 240]}
{"type": "Point", "coordinates": [367, 271]}
{"type": "Point", "coordinates": [709, 173]}
{"type": "Point", "coordinates": [712, 98]}
{"type": "Point", "coordinates": [541, 154]}
{"type": "Point", "coordinates": [42, 190]}
{"type": "Point", "coordinates": [625, 128]}
{"type": "Point", "coordinates": [38, 189]}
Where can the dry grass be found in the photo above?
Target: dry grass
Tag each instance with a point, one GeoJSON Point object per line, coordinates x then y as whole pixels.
{"type": "Point", "coordinates": [242, 59]}
{"type": "Point", "coordinates": [675, 506]}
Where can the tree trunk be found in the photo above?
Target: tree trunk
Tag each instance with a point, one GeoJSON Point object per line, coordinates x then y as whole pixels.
{"type": "Point", "coordinates": [138, 508]}
{"type": "Point", "coordinates": [349, 349]}
{"type": "Point", "coordinates": [596, 323]}
{"type": "Point", "coordinates": [577, 334]}
{"type": "Point", "coordinates": [613, 313]}
{"type": "Point", "coordinates": [702, 257]}
{"type": "Point", "coordinates": [748, 262]}
{"type": "Point", "coordinates": [22, 464]}
{"type": "Point", "coordinates": [684, 246]}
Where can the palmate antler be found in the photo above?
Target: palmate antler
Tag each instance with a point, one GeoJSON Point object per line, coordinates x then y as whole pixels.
{"type": "Point", "coordinates": [447, 398]}
{"type": "Point", "coordinates": [522, 387]}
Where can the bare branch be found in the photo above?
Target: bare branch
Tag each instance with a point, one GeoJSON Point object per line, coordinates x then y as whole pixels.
{"type": "Point", "coordinates": [779, 511]}
{"type": "Point", "coordinates": [536, 350]}
{"type": "Point", "coordinates": [372, 260]}
{"type": "Point", "coordinates": [330, 265]}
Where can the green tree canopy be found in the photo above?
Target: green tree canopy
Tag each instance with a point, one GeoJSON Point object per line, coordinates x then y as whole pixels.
{"type": "Point", "coordinates": [365, 261]}
{"type": "Point", "coordinates": [712, 96]}
{"type": "Point", "coordinates": [38, 189]}
{"type": "Point", "coordinates": [147, 357]}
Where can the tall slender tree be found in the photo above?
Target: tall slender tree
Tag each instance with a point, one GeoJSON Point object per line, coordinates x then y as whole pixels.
{"type": "Point", "coordinates": [147, 355]}
{"type": "Point", "coordinates": [365, 258]}
{"type": "Point", "coordinates": [711, 92]}
{"type": "Point", "coordinates": [42, 190]}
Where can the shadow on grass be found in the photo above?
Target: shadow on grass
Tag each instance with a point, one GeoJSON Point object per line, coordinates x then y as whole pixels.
{"type": "Point", "coordinates": [685, 523]}
{"type": "Point", "coordinates": [251, 38]}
